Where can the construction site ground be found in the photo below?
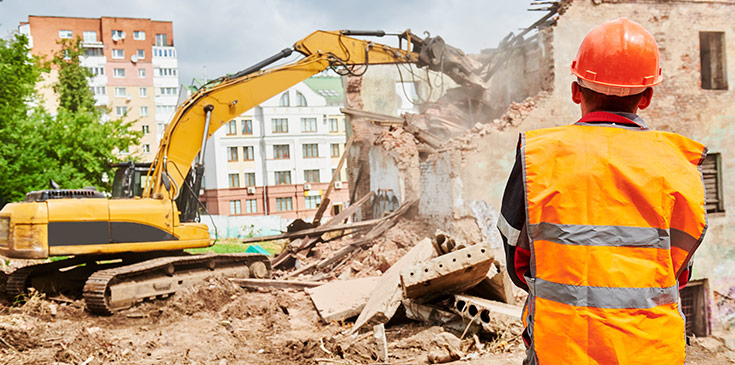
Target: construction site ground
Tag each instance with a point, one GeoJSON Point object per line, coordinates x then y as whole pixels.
{"type": "Point", "coordinates": [218, 322]}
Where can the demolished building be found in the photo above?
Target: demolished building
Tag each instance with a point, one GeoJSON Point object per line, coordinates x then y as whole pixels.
{"type": "Point", "coordinates": [455, 155]}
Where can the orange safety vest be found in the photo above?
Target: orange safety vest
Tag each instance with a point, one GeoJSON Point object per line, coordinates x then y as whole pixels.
{"type": "Point", "coordinates": [613, 216]}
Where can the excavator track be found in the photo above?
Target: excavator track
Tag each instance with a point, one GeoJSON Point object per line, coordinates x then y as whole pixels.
{"type": "Point", "coordinates": [19, 280]}
{"type": "Point", "coordinates": [111, 290]}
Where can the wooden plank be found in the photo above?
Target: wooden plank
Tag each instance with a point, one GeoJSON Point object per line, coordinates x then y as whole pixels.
{"type": "Point", "coordinates": [275, 283]}
{"type": "Point", "coordinates": [342, 299]}
{"type": "Point", "coordinates": [387, 296]}
{"type": "Point", "coordinates": [325, 197]}
{"type": "Point", "coordinates": [450, 273]}
{"type": "Point", "coordinates": [315, 231]}
{"type": "Point", "coordinates": [371, 115]}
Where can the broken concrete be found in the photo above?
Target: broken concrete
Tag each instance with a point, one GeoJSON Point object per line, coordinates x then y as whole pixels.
{"type": "Point", "coordinates": [495, 286]}
{"type": "Point", "coordinates": [434, 315]}
{"type": "Point", "coordinates": [386, 297]}
{"type": "Point", "coordinates": [450, 273]}
{"type": "Point", "coordinates": [342, 299]}
{"type": "Point", "coordinates": [494, 317]}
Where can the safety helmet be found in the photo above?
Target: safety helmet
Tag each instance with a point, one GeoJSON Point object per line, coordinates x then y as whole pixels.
{"type": "Point", "coordinates": [618, 58]}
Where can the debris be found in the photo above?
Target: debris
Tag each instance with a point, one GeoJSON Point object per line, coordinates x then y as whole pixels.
{"type": "Point", "coordinates": [436, 316]}
{"type": "Point", "coordinates": [495, 286]}
{"type": "Point", "coordinates": [275, 283]}
{"type": "Point", "coordinates": [379, 335]}
{"type": "Point", "coordinates": [450, 273]}
{"type": "Point", "coordinates": [342, 299]}
{"type": "Point", "coordinates": [386, 297]}
{"type": "Point", "coordinates": [494, 317]}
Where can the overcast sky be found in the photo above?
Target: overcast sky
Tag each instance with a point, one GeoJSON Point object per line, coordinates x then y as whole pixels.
{"type": "Point", "coordinates": [229, 35]}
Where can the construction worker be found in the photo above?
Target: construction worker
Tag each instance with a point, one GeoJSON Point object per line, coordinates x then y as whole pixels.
{"type": "Point", "coordinates": [600, 218]}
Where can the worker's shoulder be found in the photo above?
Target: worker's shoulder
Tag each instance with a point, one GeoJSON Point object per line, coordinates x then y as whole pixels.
{"type": "Point", "coordinates": [693, 150]}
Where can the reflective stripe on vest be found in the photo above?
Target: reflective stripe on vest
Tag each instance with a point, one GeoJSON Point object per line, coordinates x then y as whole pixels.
{"type": "Point", "coordinates": [613, 216]}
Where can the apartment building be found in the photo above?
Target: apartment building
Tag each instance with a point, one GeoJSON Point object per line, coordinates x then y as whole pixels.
{"type": "Point", "coordinates": [279, 157]}
{"type": "Point", "coordinates": [134, 65]}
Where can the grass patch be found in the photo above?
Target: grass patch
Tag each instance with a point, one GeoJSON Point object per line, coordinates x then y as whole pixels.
{"type": "Point", "coordinates": [233, 246]}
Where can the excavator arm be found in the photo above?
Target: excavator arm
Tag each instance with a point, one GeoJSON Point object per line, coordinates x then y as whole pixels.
{"type": "Point", "coordinates": [208, 109]}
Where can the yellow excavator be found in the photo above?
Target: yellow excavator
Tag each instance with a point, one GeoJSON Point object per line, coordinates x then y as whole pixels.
{"type": "Point", "coordinates": [131, 247]}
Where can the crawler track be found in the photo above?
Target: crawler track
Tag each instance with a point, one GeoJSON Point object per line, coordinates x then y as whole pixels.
{"type": "Point", "coordinates": [110, 290]}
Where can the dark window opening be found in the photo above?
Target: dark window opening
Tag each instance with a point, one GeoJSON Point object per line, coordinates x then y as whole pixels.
{"type": "Point", "coordinates": [711, 172]}
{"type": "Point", "coordinates": [713, 61]}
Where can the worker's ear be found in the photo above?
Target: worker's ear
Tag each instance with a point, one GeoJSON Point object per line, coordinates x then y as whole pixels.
{"type": "Point", "coordinates": [646, 99]}
{"type": "Point", "coordinates": [576, 93]}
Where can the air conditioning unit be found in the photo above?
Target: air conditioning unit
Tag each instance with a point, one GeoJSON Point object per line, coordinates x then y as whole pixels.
{"type": "Point", "coordinates": [251, 190]}
{"type": "Point", "coordinates": [338, 185]}
{"type": "Point", "coordinates": [307, 186]}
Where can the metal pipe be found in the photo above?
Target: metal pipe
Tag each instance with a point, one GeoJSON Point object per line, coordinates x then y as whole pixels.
{"type": "Point", "coordinates": [207, 109]}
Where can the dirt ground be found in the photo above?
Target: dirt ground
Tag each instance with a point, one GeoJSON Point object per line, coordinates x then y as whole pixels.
{"type": "Point", "coordinates": [220, 323]}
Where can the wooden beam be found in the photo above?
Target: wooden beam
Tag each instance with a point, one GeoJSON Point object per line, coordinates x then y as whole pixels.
{"type": "Point", "coordinates": [275, 283]}
{"type": "Point", "coordinates": [325, 197]}
{"type": "Point", "coordinates": [314, 231]}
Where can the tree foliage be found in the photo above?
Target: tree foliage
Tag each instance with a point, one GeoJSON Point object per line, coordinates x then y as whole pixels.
{"type": "Point", "coordinates": [74, 147]}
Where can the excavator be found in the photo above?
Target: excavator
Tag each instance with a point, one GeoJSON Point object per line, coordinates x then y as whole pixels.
{"type": "Point", "coordinates": [115, 252]}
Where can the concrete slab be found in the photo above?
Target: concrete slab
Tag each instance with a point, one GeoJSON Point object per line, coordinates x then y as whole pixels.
{"type": "Point", "coordinates": [494, 317]}
{"type": "Point", "coordinates": [387, 295]}
{"type": "Point", "coordinates": [342, 299]}
{"type": "Point", "coordinates": [495, 286]}
{"type": "Point", "coordinates": [446, 274]}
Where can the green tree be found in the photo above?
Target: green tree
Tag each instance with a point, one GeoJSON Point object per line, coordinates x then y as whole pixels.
{"type": "Point", "coordinates": [73, 147]}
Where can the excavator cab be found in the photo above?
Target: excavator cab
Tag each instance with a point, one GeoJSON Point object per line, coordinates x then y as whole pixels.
{"type": "Point", "coordinates": [130, 179]}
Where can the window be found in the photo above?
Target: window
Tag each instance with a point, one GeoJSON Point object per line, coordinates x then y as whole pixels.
{"type": "Point", "coordinates": [141, 54]}
{"type": "Point", "coordinates": [235, 207]}
{"type": "Point", "coordinates": [65, 34]}
{"type": "Point", "coordinates": [99, 90]}
{"type": "Point", "coordinates": [300, 99]}
{"type": "Point", "coordinates": [311, 176]}
{"type": "Point", "coordinates": [139, 35]}
{"type": "Point", "coordinates": [143, 92]}
{"type": "Point", "coordinates": [712, 58]}
{"type": "Point", "coordinates": [711, 168]}
{"type": "Point", "coordinates": [165, 109]}
{"type": "Point", "coordinates": [231, 128]}
{"type": "Point", "coordinates": [280, 125]}
{"type": "Point", "coordinates": [336, 209]}
{"type": "Point", "coordinates": [249, 179]}
{"type": "Point", "coordinates": [311, 150]}
{"type": "Point", "coordinates": [118, 34]}
{"type": "Point", "coordinates": [93, 52]}
{"type": "Point", "coordinates": [333, 125]}
{"type": "Point", "coordinates": [121, 92]}
{"type": "Point", "coordinates": [231, 154]}
{"type": "Point", "coordinates": [90, 36]}
{"type": "Point", "coordinates": [97, 71]}
{"type": "Point", "coordinates": [284, 204]}
{"type": "Point", "coordinates": [338, 173]}
{"type": "Point", "coordinates": [118, 53]}
{"type": "Point", "coordinates": [247, 126]}
{"type": "Point", "coordinates": [143, 111]}
{"type": "Point", "coordinates": [313, 202]}
{"type": "Point", "coordinates": [284, 100]}
{"type": "Point", "coordinates": [146, 148]}
{"type": "Point", "coordinates": [251, 206]}
{"type": "Point", "coordinates": [281, 151]}
{"type": "Point", "coordinates": [161, 40]}
{"type": "Point", "coordinates": [146, 129]}
{"type": "Point", "coordinates": [234, 180]}
{"type": "Point", "coordinates": [164, 71]}
{"type": "Point", "coordinates": [248, 153]}
{"type": "Point", "coordinates": [283, 177]}
{"type": "Point", "coordinates": [121, 110]}
{"type": "Point", "coordinates": [334, 147]}
{"type": "Point", "coordinates": [168, 90]}
{"type": "Point", "coordinates": [141, 73]}
{"type": "Point", "coordinates": [308, 124]}
{"type": "Point", "coordinates": [118, 73]}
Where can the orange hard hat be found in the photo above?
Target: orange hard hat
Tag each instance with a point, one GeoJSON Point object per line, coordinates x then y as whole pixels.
{"type": "Point", "coordinates": [619, 57]}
